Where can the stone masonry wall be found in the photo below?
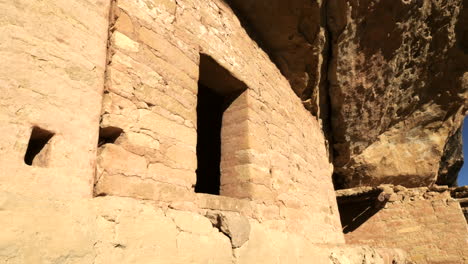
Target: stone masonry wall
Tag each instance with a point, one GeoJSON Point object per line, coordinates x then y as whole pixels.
{"type": "Point", "coordinates": [58, 91]}
{"type": "Point", "coordinates": [56, 56]}
{"type": "Point", "coordinates": [460, 194]}
{"type": "Point", "coordinates": [280, 161]}
{"type": "Point", "coordinates": [52, 74]}
{"type": "Point", "coordinates": [428, 225]}
{"type": "Point", "coordinates": [124, 230]}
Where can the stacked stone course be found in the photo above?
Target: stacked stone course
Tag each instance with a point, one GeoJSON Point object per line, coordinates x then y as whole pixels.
{"type": "Point", "coordinates": [461, 195]}
{"type": "Point", "coordinates": [151, 94]}
{"type": "Point", "coordinates": [60, 57]}
{"type": "Point", "coordinates": [98, 158]}
{"type": "Point", "coordinates": [425, 222]}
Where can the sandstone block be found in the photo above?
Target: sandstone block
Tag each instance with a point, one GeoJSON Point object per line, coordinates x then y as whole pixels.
{"type": "Point", "coordinates": [125, 43]}
{"type": "Point", "coordinates": [233, 225]}
{"type": "Point", "coordinates": [115, 159]}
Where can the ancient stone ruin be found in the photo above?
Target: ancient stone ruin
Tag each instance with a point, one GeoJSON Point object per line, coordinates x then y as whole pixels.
{"type": "Point", "coordinates": [233, 131]}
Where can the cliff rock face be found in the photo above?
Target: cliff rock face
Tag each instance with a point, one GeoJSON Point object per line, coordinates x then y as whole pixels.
{"type": "Point", "coordinates": [398, 88]}
{"type": "Point", "coordinates": [387, 79]}
{"type": "Point", "coordinates": [103, 116]}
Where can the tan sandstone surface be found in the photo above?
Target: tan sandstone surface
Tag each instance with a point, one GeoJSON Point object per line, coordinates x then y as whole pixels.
{"type": "Point", "coordinates": [124, 230]}
{"type": "Point", "coordinates": [273, 151]}
{"type": "Point", "coordinates": [56, 56]}
{"type": "Point", "coordinates": [427, 223]}
{"type": "Point", "coordinates": [100, 123]}
{"type": "Point", "coordinates": [461, 195]}
{"type": "Point", "coordinates": [52, 75]}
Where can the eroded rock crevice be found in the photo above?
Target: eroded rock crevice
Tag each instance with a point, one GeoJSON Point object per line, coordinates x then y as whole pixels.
{"type": "Point", "coordinates": [452, 160]}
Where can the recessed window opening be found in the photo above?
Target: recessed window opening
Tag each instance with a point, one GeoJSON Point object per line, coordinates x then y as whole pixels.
{"type": "Point", "coordinates": [108, 135]}
{"type": "Point", "coordinates": [37, 151]}
{"type": "Point", "coordinates": [217, 90]}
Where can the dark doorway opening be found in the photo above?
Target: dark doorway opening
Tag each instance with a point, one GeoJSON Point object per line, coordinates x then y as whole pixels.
{"type": "Point", "coordinates": [37, 143]}
{"type": "Point", "coordinates": [210, 116]}
{"type": "Point", "coordinates": [217, 89]}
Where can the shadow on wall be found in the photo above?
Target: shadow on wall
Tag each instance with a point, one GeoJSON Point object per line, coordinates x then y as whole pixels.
{"type": "Point", "coordinates": [217, 90]}
{"type": "Point", "coordinates": [463, 174]}
{"type": "Point", "coordinates": [37, 153]}
{"type": "Point", "coordinates": [355, 210]}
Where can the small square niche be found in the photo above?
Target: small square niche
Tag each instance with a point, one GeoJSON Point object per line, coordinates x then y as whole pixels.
{"type": "Point", "coordinates": [38, 151]}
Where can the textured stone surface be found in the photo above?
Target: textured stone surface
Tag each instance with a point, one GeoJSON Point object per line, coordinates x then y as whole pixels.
{"type": "Point", "coordinates": [274, 154]}
{"type": "Point", "coordinates": [270, 246]}
{"type": "Point", "coordinates": [398, 88]}
{"type": "Point", "coordinates": [52, 74]}
{"type": "Point", "coordinates": [105, 230]}
{"type": "Point", "coordinates": [428, 224]}
{"type": "Point", "coordinates": [123, 230]}
{"type": "Point", "coordinates": [452, 160]}
{"type": "Point", "coordinates": [277, 203]}
{"type": "Point", "coordinates": [387, 80]}
{"type": "Point", "coordinates": [461, 195]}
{"type": "Point", "coordinates": [293, 33]}
{"type": "Point", "coordinates": [234, 225]}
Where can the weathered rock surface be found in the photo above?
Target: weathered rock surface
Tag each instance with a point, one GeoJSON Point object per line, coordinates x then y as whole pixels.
{"type": "Point", "coordinates": [128, 231]}
{"type": "Point", "coordinates": [272, 150]}
{"type": "Point", "coordinates": [232, 224]}
{"type": "Point", "coordinates": [426, 222]}
{"type": "Point", "coordinates": [52, 74]}
{"type": "Point", "coordinates": [452, 160]}
{"type": "Point", "coordinates": [387, 80]}
{"type": "Point", "coordinates": [278, 204]}
{"type": "Point", "coordinates": [461, 195]}
{"type": "Point", "coordinates": [293, 33]}
{"type": "Point", "coordinates": [398, 88]}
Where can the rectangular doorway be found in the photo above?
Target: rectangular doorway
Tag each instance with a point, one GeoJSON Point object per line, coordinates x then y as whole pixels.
{"type": "Point", "coordinates": [218, 91]}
